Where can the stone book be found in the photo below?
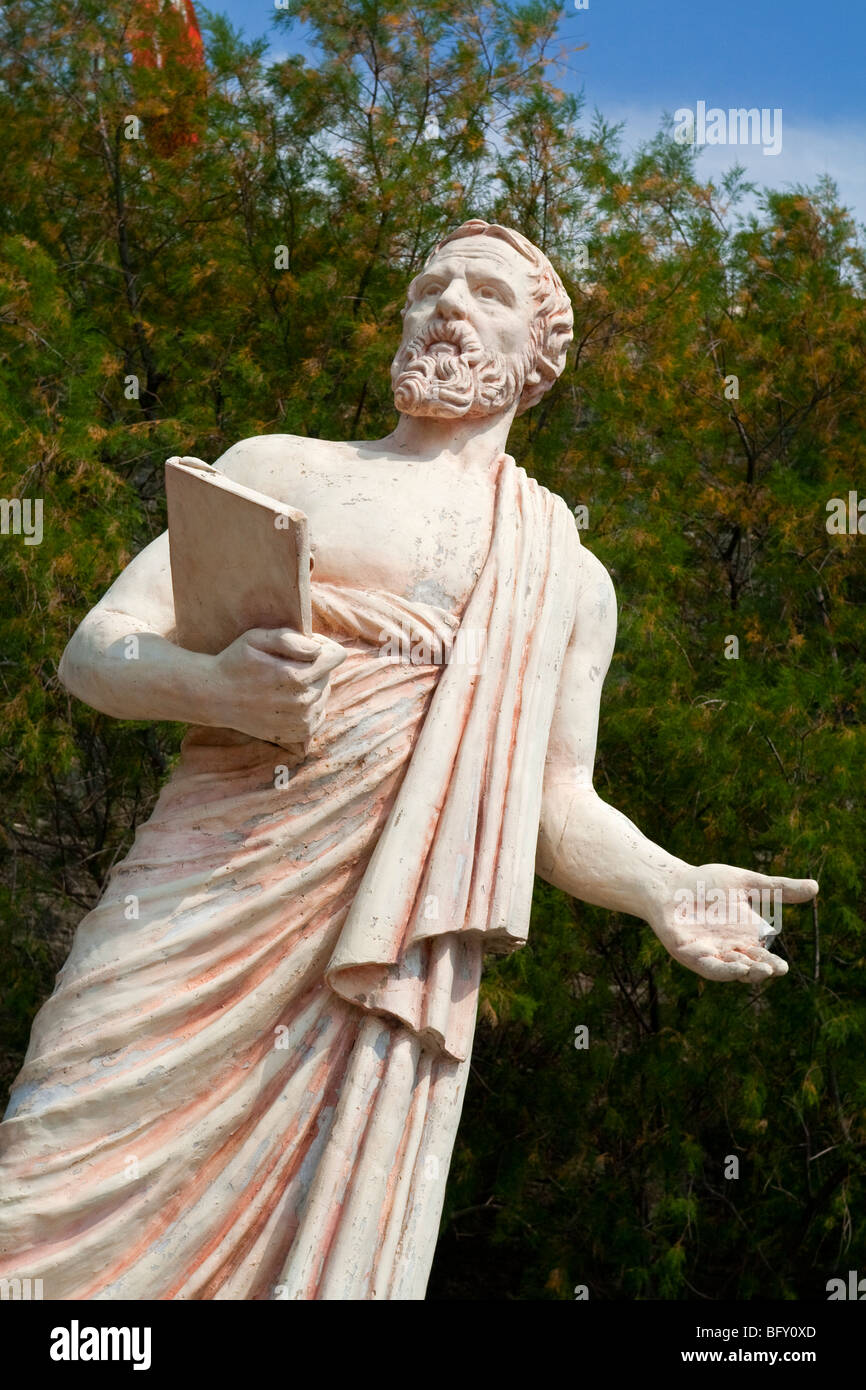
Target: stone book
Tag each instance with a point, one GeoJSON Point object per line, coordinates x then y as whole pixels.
{"type": "Point", "coordinates": [239, 559]}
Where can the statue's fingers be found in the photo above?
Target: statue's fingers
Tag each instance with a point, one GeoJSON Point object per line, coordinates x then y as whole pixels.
{"type": "Point", "coordinates": [712, 967]}
{"type": "Point", "coordinates": [320, 655]}
{"type": "Point", "coordinates": [742, 955]}
{"type": "Point", "coordinates": [316, 715]}
{"type": "Point", "coordinates": [793, 890]}
{"type": "Point", "coordinates": [797, 890]}
{"type": "Point", "coordinates": [776, 963]}
{"type": "Point", "coordinates": [284, 642]}
{"type": "Point", "coordinates": [764, 961]}
{"type": "Point", "coordinates": [757, 965]}
{"type": "Point", "coordinates": [753, 950]}
{"type": "Point", "coordinates": [758, 970]}
{"type": "Point", "coordinates": [330, 656]}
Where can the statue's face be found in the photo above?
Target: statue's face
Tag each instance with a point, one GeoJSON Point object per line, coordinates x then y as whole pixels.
{"type": "Point", "coordinates": [466, 345]}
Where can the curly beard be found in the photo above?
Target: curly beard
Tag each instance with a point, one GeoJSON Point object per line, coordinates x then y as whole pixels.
{"type": "Point", "coordinates": [466, 381]}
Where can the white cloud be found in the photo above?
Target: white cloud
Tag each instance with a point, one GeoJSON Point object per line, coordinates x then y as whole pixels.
{"type": "Point", "coordinates": [809, 150]}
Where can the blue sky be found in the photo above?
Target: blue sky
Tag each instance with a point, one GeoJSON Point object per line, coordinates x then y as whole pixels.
{"type": "Point", "coordinates": [649, 56]}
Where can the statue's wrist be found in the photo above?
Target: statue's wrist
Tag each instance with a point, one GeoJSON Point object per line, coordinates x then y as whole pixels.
{"type": "Point", "coordinates": [200, 695]}
{"type": "Point", "coordinates": [663, 886]}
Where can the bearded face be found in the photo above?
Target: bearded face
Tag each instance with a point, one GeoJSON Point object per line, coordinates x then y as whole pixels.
{"type": "Point", "coordinates": [445, 371]}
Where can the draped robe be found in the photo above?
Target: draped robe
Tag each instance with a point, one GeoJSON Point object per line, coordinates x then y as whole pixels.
{"type": "Point", "coordinates": [248, 1080]}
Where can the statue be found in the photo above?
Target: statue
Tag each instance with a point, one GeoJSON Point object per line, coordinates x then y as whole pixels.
{"type": "Point", "coordinates": [248, 1080]}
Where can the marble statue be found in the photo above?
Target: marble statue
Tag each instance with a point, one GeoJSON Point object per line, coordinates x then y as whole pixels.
{"type": "Point", "coordinates": [248, 1080]}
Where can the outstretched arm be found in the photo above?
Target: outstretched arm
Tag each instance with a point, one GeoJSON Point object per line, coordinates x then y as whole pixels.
{"type": "Point", "coordinates": [704, 915]}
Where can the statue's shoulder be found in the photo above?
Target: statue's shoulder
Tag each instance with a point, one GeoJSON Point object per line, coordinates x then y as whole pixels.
{"type": "Point", "coordinates": [590, 575]}
{"type": "Point", "coordinates": [527, 480]}
{"type": "Point", "coordinates": [265, 459]}
{"type": "Point", "coordinates": [557, 505]}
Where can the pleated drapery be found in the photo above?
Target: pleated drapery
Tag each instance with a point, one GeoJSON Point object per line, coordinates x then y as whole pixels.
{"type": "Point", "coordinates": [248, 1080]}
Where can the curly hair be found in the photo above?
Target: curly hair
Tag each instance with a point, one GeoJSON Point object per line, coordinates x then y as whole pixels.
{"type": "Point", "coordinates": [552, 327]}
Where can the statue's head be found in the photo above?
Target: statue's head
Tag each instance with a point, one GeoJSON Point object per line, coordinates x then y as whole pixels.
{"type": "Point", "coordinates": [487, 322]}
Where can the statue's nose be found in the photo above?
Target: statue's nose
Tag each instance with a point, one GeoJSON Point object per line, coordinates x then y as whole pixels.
{"type": "Point", "coordinates": [454, 300]}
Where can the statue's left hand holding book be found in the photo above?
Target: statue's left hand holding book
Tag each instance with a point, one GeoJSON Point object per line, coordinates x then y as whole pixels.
{"type": "Point", "coordinates": [239, 560]}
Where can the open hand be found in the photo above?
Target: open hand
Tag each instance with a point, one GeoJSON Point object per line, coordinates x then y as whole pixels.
{"type": "Point", "coordinates": [712, 923]}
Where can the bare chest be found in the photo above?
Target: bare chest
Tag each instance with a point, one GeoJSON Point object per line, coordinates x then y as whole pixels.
{"type": "Point", "coordinates": [412, 529]}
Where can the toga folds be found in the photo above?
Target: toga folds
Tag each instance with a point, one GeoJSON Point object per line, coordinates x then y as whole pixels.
{"type": "Point", "coordinates": [248, 1080]}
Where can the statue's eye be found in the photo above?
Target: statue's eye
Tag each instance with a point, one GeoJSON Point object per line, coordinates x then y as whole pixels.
{"type": "Point", "coordinates": [489, 292]}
